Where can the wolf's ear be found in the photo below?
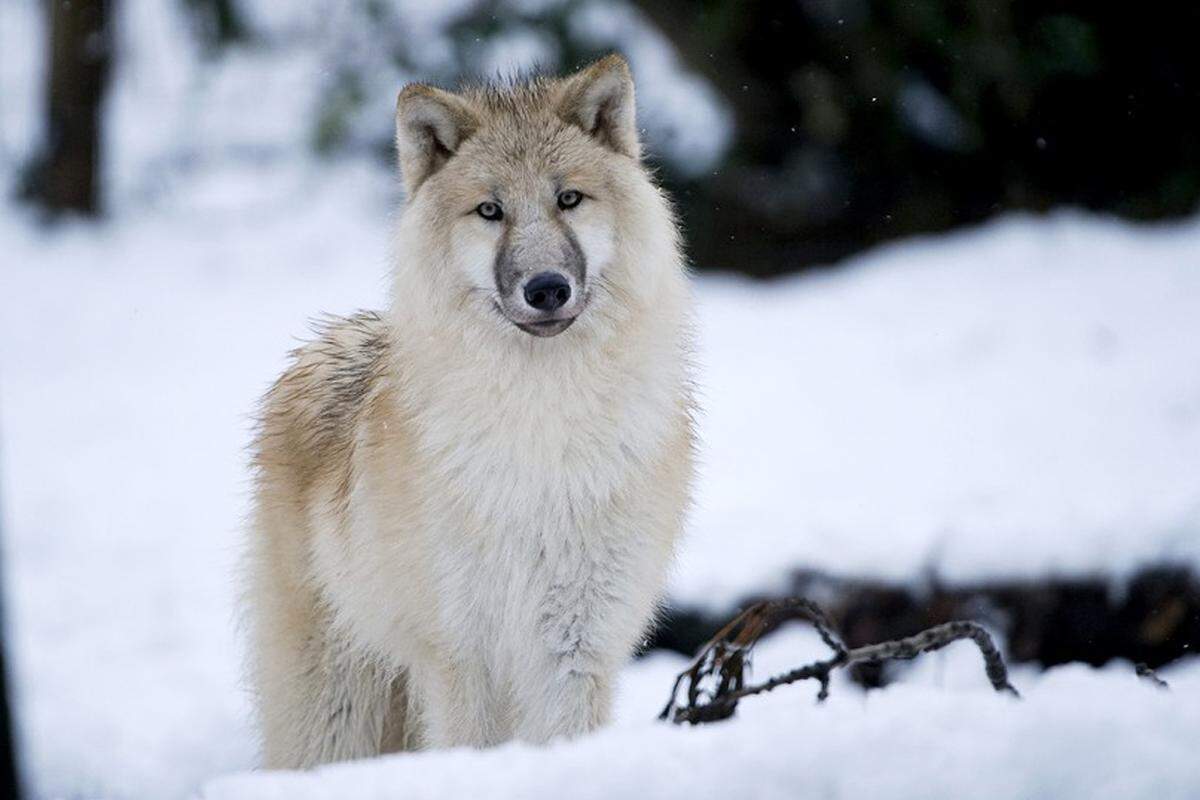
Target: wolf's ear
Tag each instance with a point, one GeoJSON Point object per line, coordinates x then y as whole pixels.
{"type": "Point", "coordinates": [431, 124]}
{"type": "Point", "coordinates": [600, 100]}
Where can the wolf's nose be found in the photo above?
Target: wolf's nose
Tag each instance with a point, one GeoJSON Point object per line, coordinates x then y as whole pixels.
{"type": "Point", "coordinates": [547, 291]}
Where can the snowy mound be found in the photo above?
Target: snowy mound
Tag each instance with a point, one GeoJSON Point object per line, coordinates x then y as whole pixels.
{"type": "Point", "coordinates": [1078, 733]}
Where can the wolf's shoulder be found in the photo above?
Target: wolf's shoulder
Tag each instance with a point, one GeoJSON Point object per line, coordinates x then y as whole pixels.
{"type": "Point", "coordinates": [329, 383]}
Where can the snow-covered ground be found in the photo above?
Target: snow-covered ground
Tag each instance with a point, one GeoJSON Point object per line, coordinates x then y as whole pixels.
{"type": "Point", "coordinates": [1077, 734]}
{"type": "Point", "coordinates": [1020, 399]}
{"type": "Point", "coordinates": [1016, 400]}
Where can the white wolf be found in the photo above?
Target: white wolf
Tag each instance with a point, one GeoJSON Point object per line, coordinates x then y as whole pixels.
{"type": "Point", "coordinates": [466, 506]}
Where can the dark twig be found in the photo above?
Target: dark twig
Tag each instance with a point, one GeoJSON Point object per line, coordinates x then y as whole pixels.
{"type": "Point", "coordinates": [716, 678]}
{"type": "Point", "coordinates": [1146, 672]}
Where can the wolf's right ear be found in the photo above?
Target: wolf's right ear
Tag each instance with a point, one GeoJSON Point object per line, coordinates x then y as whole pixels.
{"type": "Point", "coordinates": [431, 124]}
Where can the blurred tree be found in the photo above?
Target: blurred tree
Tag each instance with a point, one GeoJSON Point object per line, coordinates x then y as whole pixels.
{"type": "Point", "coordinates": [857, 121]}
{"type": "Point", "coordinates": [863, 120]}
{"type": "Point", "coordinates": [64, 173]}
{"type": "Point", "coordinates": [217, 23]}
{"type": "Point", "coordinates": [377, 48]}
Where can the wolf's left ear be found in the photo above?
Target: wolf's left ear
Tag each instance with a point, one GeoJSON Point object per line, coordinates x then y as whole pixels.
{"type": "Point", "coordinates": [600, 100]}
{"type": "Point", "coordinates": [431, 124]}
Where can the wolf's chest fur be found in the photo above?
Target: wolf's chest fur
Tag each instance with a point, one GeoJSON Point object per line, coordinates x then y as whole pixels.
{"type": "Point", "coordinates": [502, 502]}
{"type": "Point", "coordinates": [545, 449]}
{"type": "Point", "coordinates": [533, 468]}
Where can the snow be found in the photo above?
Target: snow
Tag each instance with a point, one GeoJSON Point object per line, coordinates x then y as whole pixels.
{"type": "Point", "coordinates": [20, 79]}
{"type": "Point", "coordinates": [126, 384]}
{"type": "Point", "coordinates": [1078, 733]}
{"type": "Point", "coordinates": [1017, 400]}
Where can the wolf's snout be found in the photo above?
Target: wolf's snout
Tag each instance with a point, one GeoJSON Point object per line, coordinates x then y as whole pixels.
{"type": "Point", "coordinates": [547, 291]}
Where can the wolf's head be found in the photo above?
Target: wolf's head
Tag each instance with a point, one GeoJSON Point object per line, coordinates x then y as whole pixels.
{"type": "Point", "coordinates": [522, 197]}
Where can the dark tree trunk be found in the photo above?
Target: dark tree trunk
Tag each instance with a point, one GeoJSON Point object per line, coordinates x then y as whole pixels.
{"type": "Point", "coordinates": [64, 175]}
{"type": "Point", "coordinates": [10, 784]}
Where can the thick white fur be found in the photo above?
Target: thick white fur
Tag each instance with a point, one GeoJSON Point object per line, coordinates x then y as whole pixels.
{"type": "Point", "coordinates": [464, 542]}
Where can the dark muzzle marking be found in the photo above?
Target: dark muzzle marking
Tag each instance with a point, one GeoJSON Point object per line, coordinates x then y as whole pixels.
{"type": "Point", "coordinates": [571, 262]}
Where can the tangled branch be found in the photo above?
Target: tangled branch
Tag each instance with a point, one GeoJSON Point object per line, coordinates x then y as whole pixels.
{"type": "Point", "coordinates": [716, 678]}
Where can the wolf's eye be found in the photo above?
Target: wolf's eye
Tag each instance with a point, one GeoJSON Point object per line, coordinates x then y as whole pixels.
{"type": "Point", "coordinates": [490, 211]}
{"type": "Point", "coordinates": [569, 199]}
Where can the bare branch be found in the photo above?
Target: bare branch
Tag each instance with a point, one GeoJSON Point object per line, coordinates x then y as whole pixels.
{"type": "Point", "coordinates": [716, 677]}
{"type": "Point", "coordinates": [1146, 672]}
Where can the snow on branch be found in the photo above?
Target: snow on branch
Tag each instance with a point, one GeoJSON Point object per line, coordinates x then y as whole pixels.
{"type": "Point", "coordinates": [716, 678]}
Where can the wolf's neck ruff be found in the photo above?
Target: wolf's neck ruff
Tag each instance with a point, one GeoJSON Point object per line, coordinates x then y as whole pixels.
{"type": "Point", "coordinates": [527, 428]}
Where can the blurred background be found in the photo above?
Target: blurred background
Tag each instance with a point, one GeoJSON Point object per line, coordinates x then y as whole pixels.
{"type": "Point", "coordinates": [970, 388]}
{"type": "Point", "coordinates": [791, 134]}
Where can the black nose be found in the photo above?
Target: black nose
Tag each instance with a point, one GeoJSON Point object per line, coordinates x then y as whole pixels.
{"type": "Point", "coordinates": [547, 291]}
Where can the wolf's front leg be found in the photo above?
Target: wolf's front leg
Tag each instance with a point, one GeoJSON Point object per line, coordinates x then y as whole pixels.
{"type": "Point", "coordinates": [460, 705]}
{"type": "Point", "coordinates": [563, 682]}
{"type": "Point", "coordinates": [558, 698]}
